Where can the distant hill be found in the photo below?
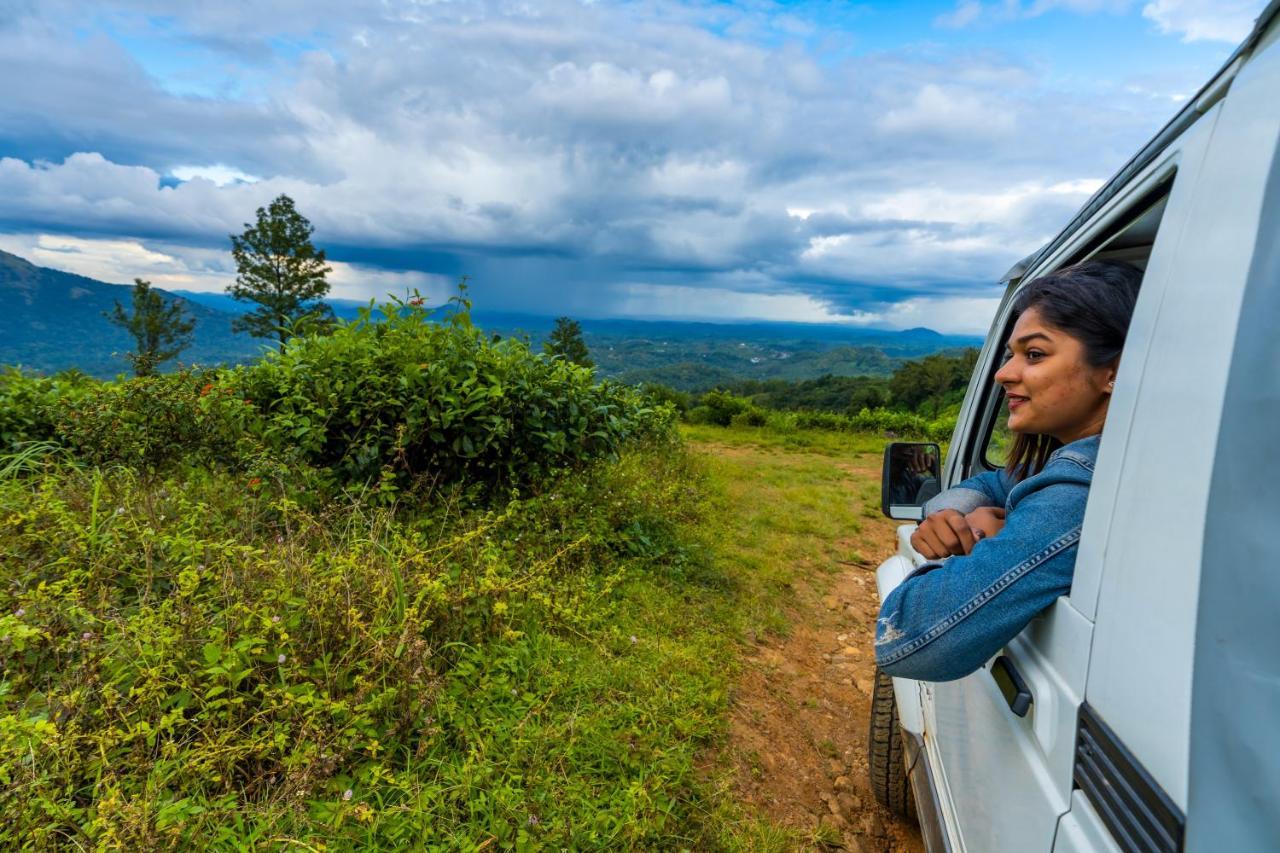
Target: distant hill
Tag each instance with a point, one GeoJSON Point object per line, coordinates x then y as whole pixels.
{"type": "Point", "coordinates": [52, 320]}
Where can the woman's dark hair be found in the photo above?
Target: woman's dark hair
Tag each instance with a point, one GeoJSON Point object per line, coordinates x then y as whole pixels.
{"type": "Point", "coordinates": [1093, 303]}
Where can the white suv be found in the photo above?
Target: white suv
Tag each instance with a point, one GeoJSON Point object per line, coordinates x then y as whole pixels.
{"type": "Point", "coordinates": [1142, 711]}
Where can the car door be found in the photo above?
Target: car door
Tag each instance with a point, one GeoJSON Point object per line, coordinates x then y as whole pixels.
{"type": "Point", "coordinates": [1002, 740]}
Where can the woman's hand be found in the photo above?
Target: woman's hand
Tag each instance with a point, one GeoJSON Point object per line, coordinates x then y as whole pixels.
{"type": "Point", "coordinates": [986, 521]}
{"type": "Point", "coordinates": [947, 533]}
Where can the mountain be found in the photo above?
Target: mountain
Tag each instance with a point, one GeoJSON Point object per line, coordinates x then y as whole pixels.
{"type": "Point", "coordinates": [52, 320]}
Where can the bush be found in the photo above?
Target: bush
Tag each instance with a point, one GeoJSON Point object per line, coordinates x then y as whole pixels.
{"type": "Point", "coordinates": [153, 422]}
{"type": "Point", "coordinates": [28, 404]}
{"type": "Point", "coordinates": [752, 416]}
{"type": "Point", "coordinates": [404, 401]}
{"type": "Point", "coordinates": [719, 407]}
{"type": "Point", "coordinates": [660, 394]}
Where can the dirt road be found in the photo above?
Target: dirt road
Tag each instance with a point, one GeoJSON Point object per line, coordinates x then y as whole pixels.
{"type": "Point", "coordinates": [799, 728]}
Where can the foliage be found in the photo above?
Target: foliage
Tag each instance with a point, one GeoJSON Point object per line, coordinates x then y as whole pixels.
{"type": "Point", "coordinates": [721, 408]}
{"type": "Point", "coordinates": [153, 423]}
{"type": "Point", "coordinates": [718, 407]}
{"type": "Point", "coordinates": [200, 662]}
{"type": "Point", "coordinates": [679, 401]}
{"type": "Point", "coordinates": [565, 340]}
{"type": "Point", "coordinates": [202, 644]}
{"type": "Point", "coordinates": [28, 404]}
{"type": "Point", "coordinates": [280, 270]}
{"type": "Point", "coordinates": [825, 394]}
{"type": "Point", "coordinates": [929, 380]}
{"type": "Point", "coordinates": [160, 331]}
{"type": "Point", "coordinates": [404, 401]}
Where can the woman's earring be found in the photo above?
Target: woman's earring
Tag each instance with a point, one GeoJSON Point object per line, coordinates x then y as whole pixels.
{"type": "Point", "coordinates": [1111, 386]}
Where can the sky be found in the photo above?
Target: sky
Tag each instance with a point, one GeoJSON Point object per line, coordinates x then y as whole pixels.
{"type": "Point", "coordinates": [876, 164]}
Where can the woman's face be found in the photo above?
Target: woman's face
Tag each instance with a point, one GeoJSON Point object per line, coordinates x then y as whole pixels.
{"type": "Point", "coordinates": [1050, 388]}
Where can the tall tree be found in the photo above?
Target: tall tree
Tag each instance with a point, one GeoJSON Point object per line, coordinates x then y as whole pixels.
{"type": "Point", "coordinates": [566, 340]}
{"type": "Point", "coordinates": [282, 271]}
{"type": "Point", "coordinates": [160, 329]}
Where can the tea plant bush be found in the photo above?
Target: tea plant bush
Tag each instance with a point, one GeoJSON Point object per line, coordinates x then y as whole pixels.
{"type": "Point", "coordinates": [28, 404]}
{"type": "Point", "coordinates": [401, 400]}
{"type": "Point", "coordinates": [152, 423]}
{"type": "Point", "coordinates": [724, 409]}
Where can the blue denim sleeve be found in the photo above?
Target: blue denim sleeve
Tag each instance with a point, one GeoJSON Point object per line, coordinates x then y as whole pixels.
{"type": "Point", "coordinates": [946, 620]}
{"type": "Point", "coordinates": [986, 489]}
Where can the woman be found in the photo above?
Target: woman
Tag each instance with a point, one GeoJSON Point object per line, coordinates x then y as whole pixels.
{"type": "Point", "coordinates": [1008, 538]}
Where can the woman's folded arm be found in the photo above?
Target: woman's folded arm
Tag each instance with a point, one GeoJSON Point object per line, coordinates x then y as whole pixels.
{"type": "Point", "coordinates": [986, 489]}
{"type": "Point", "coordinates": [947, 619]}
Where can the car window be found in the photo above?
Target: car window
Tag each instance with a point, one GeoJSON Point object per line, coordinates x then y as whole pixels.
{"type": "Point", "coordinates": [1000, 439]}
{"type": "Point", "coordinates": [1130, 240]}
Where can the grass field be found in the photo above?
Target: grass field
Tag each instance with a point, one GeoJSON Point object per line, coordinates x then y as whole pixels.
{"type": "Point", "coordinates": [584, 704]}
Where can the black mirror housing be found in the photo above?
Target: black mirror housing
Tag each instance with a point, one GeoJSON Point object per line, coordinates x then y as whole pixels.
{"type": "Point", "coordinates": [912, 474]}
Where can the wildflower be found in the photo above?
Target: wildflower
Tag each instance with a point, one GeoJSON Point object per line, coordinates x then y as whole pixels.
{"type": "Point", "coordinates": [204, 392]}
{"type": "Point", "coordinates": [533, 820]}
{"type": "Point", "coordinates": [20, 612]}
{"type": "Point", "coordinates": [417, 300]}
{"type": "Point", "coordinates": [254, 482]}
{"type": "Point", "coordinates": [280, 658]}
{"type": "Point", "coordinates": [346, 795]}
{"type": "Point", "coordinates": [275, 620]}
{"type": "Point", "coordinates": [87, 635]}
{"type": "Point", "coordinates": [119, 510]}
{"type": "Point", "coordinates": [279, 539]}
{"type": "Point", "coordinates": [634, 640]}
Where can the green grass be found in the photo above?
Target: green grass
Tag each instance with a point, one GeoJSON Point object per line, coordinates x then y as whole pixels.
{"type": "Point", "coordinates": [843, 445]}
{"type": "Point", "coordinates": [197, 660]}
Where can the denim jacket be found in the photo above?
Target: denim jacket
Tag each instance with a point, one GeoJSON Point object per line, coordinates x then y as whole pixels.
{"type": "Point", "coordinates": [947, 618]}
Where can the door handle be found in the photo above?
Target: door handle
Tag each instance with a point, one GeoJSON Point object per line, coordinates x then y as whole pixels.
{"type": "Point", "coordinates": [1015, 690]}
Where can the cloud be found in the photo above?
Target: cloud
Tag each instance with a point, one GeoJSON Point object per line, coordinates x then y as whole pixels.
{"type": "Point", "coordinates": [219, 174]}
{"type": "Point", "coordinates": [179, 267]}
{"type": "Point", "coordinates": [968, 12]}
{"type": "Point", "coordinates": [948, 111]}
{"type": "Point", "coordinates": [965, 13]}
{"type": "Point", "coordinates": [562, 154]}
{"type": "Point", "coordinates": [1205, 20]}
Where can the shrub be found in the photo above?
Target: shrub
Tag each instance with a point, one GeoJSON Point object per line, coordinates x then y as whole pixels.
{"type": "Point", "coordinates": [721, 406]}
{"type": "Point", "coordinates": [752, 416]}
{"type": "Point", "coordinates": [153, 422]}
{"type": "Point", "coordinates": [404, 400]}
{"type": "Point", "coordinates": [887, 422]}
{"type": "Point", "coordinates": [28, 404]}
{"type": "Point", "coordinates": [660, 394]}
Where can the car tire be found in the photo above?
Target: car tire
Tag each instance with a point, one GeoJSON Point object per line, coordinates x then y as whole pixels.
{"type": "Point", "coordinates": [886, 758]}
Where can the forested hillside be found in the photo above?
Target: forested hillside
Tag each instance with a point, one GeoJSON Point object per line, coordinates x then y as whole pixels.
{"type": "Point", "coordinates": [52, 320]}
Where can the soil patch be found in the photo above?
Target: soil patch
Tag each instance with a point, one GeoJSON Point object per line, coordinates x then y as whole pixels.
{"type": "Point", "coordinates": [798, 738]}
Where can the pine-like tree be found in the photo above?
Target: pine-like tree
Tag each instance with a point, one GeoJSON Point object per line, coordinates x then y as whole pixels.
{"type": "Point", "coordinates": [160, 330]}
{"type": "Point", "coordinates": [282, 271]}
{"type": "Point", "coordinates": [566, 340]}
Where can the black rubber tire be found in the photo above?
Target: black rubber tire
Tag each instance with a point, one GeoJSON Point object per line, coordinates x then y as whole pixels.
{"type": "Point", "coordinates": [886, 756]}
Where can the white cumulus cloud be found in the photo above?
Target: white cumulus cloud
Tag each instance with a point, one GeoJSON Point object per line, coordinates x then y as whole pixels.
{"type": "Point", "coordinates": [1205, 20]}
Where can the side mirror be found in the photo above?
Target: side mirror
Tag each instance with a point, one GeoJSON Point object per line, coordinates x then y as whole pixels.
{"type": "Point", "coordinates": [912, 474]}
